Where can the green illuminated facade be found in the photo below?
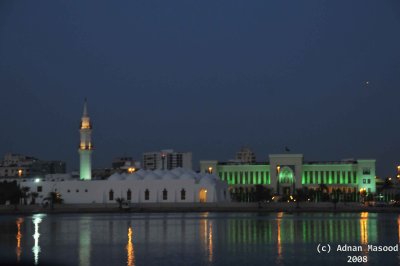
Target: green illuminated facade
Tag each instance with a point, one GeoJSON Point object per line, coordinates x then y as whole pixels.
{"type": "Point", "coordinates": [284, 173]}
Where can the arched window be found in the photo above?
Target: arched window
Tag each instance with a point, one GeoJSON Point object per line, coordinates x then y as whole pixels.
{"type": "Point", "coordinates": [111, 195]}
{"type": "Point", "coordinates": [129, 195]}
{"type": "Point", "coordinates": [183, 194]}
{"type": "Point", "coordinates": [165, 194]}
{"type": "Point", "coordinates": [146, 194]}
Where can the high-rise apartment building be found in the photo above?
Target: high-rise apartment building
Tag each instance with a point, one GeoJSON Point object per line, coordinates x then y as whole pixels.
{"type": "Point", "coordinates": [166, 160]}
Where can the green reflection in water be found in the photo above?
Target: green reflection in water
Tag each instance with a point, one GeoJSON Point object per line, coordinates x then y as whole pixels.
{"type": "Point", "coordinates": [84, 241]}
{"type": "Point", "coordinates": [290, 229]}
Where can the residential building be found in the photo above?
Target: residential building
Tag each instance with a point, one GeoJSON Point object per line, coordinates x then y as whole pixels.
{"type": "Point", "coordinates": [167, 160]}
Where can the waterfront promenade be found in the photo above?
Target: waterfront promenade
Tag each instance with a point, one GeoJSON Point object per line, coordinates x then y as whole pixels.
{"type": "Point", "coordinates": [197, 207]}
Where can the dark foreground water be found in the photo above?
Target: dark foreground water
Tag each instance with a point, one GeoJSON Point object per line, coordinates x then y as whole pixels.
{"type": "Point", "coordinates": [197, 239]}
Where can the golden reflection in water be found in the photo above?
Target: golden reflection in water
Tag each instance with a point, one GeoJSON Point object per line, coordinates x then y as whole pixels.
{"type": "Point", "coordinates": [206, 238]}
{"type": "Point", "coordinates": [210, 243]}
{"type": "Point", "coordinates": [130, 250]}
{"type": "Point", "coordinates": [19, 236]}
{"type": "Point", "coordinates": [36, 248]}
{"type": "Point", "coordinates": [364, 228]}
{"type": "Point", "coordinates": [398, 226]}
{"type": "Point", "coordinates": [279, 243]}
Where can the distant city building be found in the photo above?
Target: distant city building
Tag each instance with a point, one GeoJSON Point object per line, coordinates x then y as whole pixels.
{"type": "Point", "coordinates": [18, 165]}
{"type": "Point", "coordinates": [48, 167]}
{"type": "Point", "coordinates": [245, 155]}
{"type": "Point", "coordinates": [167, 160]}
{"type": "Point", "coordinates": [285, 173]}
{"type": "Point", "coordinates": [122, 161]}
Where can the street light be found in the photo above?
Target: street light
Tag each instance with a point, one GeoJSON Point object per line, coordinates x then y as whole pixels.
{"type": "Point", "coordinates": [131, 170]}
{"type": "Point", "coordinates": [210, 170]}
{"type": "Point", "coordinates": [163, 160]}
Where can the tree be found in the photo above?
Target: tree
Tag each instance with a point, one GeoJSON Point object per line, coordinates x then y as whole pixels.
{"type": "Point", "coordinates": [53, 198]}
{"type": "Point", "coordinates": [301, 195]}
{"type": "Point", "coordinates": [262, 193]}
{"type": "Point", "coordinates": [120, 201]}
{"type": "Point", "coordinates": [25, 194]}
{"type": "Point", "coordinates": [335, 198]}
{"type": "Point", "coordinates": [34, 195]}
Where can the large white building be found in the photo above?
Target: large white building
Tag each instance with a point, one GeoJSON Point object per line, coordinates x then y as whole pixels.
{"type": "Point", "coordinates": [178, 185]}
{"type": "Point", "coordinates": [143, 186]}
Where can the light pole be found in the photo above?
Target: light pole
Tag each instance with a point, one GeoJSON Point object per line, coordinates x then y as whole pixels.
{"type": "Point", "coordinates": [278, 169]}
{"type": "Point", "coordinates": [163, 161]}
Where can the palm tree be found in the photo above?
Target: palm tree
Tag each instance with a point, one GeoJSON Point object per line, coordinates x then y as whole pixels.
{"type": "Point", "coordinates": [301, 195]}
{"type": "Point", "coordinates": [120, 201]}
{"type": "Point", "coordinates": [34, 195]}
{"type": "Point", "coordinates": [25, 194]}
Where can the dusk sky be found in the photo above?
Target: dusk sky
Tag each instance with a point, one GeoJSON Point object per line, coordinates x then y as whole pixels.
{"type": "Point", "coordinates": [320, 77]}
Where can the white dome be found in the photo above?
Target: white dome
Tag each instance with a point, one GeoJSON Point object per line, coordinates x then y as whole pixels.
{"type": "Point", "coordinates": [115, 176]}
{"type": "Point", "coordinates": [187, 176]}
{"type": "Point", "coordinates": [141, 173]}
{"type": "Point", "coordinates": [169, 176]}
{"type": "Point", "coordinates": [158, 172]}
{"type": "Point", "coordinates": [152, 176]}
{"type": "Point", "coordinates": [134, 177]}
{"type": "Point", "coordinates": [178, 171]}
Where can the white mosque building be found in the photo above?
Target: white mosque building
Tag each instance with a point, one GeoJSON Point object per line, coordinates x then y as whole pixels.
{"type": "Point", "coordinates": [169, 186]}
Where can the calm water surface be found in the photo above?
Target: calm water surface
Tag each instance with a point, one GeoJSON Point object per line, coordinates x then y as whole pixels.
{"type": "Point", "coordinates": [195, 238]}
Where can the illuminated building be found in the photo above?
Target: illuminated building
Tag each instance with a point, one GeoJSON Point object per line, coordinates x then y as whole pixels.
{"type": "Point", "coordinates": [284, 173]}
{"type": "Point", "coordinates": [85, 146]}
{"type": "Point", "coordinates": [22, 166]}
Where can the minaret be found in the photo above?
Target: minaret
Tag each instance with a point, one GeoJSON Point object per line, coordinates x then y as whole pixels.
{"type": "Point", "coordinates": [85, 147]}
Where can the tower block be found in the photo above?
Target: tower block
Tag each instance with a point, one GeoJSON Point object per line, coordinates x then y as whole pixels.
{"type": "Point", "coordinates": [85, 146]}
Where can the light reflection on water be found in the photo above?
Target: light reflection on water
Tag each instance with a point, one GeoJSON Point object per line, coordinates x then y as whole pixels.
{"type": "Point", "coordinates": [84, 241]}
{"type": "Point", "coordinates": [203, 239]}
{"type": "Point", "coordinates": [130, 250]}
{"type": "Point", "coordinates": [36, 219]}
{"type": "Point", "coordinates": [19, 237]}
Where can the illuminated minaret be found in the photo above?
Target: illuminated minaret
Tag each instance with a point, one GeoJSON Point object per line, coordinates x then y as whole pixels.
{"type": "Point", "coordinates": [85, 147]}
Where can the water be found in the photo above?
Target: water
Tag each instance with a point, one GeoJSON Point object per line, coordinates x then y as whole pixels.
{"type": "Point", "coordinates": [195, 238]}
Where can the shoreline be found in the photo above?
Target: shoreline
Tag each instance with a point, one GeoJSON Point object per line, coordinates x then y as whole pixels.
{"type": "Point", "coordinates": [197, 207]}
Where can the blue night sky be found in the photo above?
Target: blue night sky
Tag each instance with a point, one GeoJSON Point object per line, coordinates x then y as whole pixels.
{"type": "Point", "coordinates": [202, 76]}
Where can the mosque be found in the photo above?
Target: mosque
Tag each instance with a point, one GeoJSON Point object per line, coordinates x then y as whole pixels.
{"type": "Point", "coordinates": [142, 186]}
